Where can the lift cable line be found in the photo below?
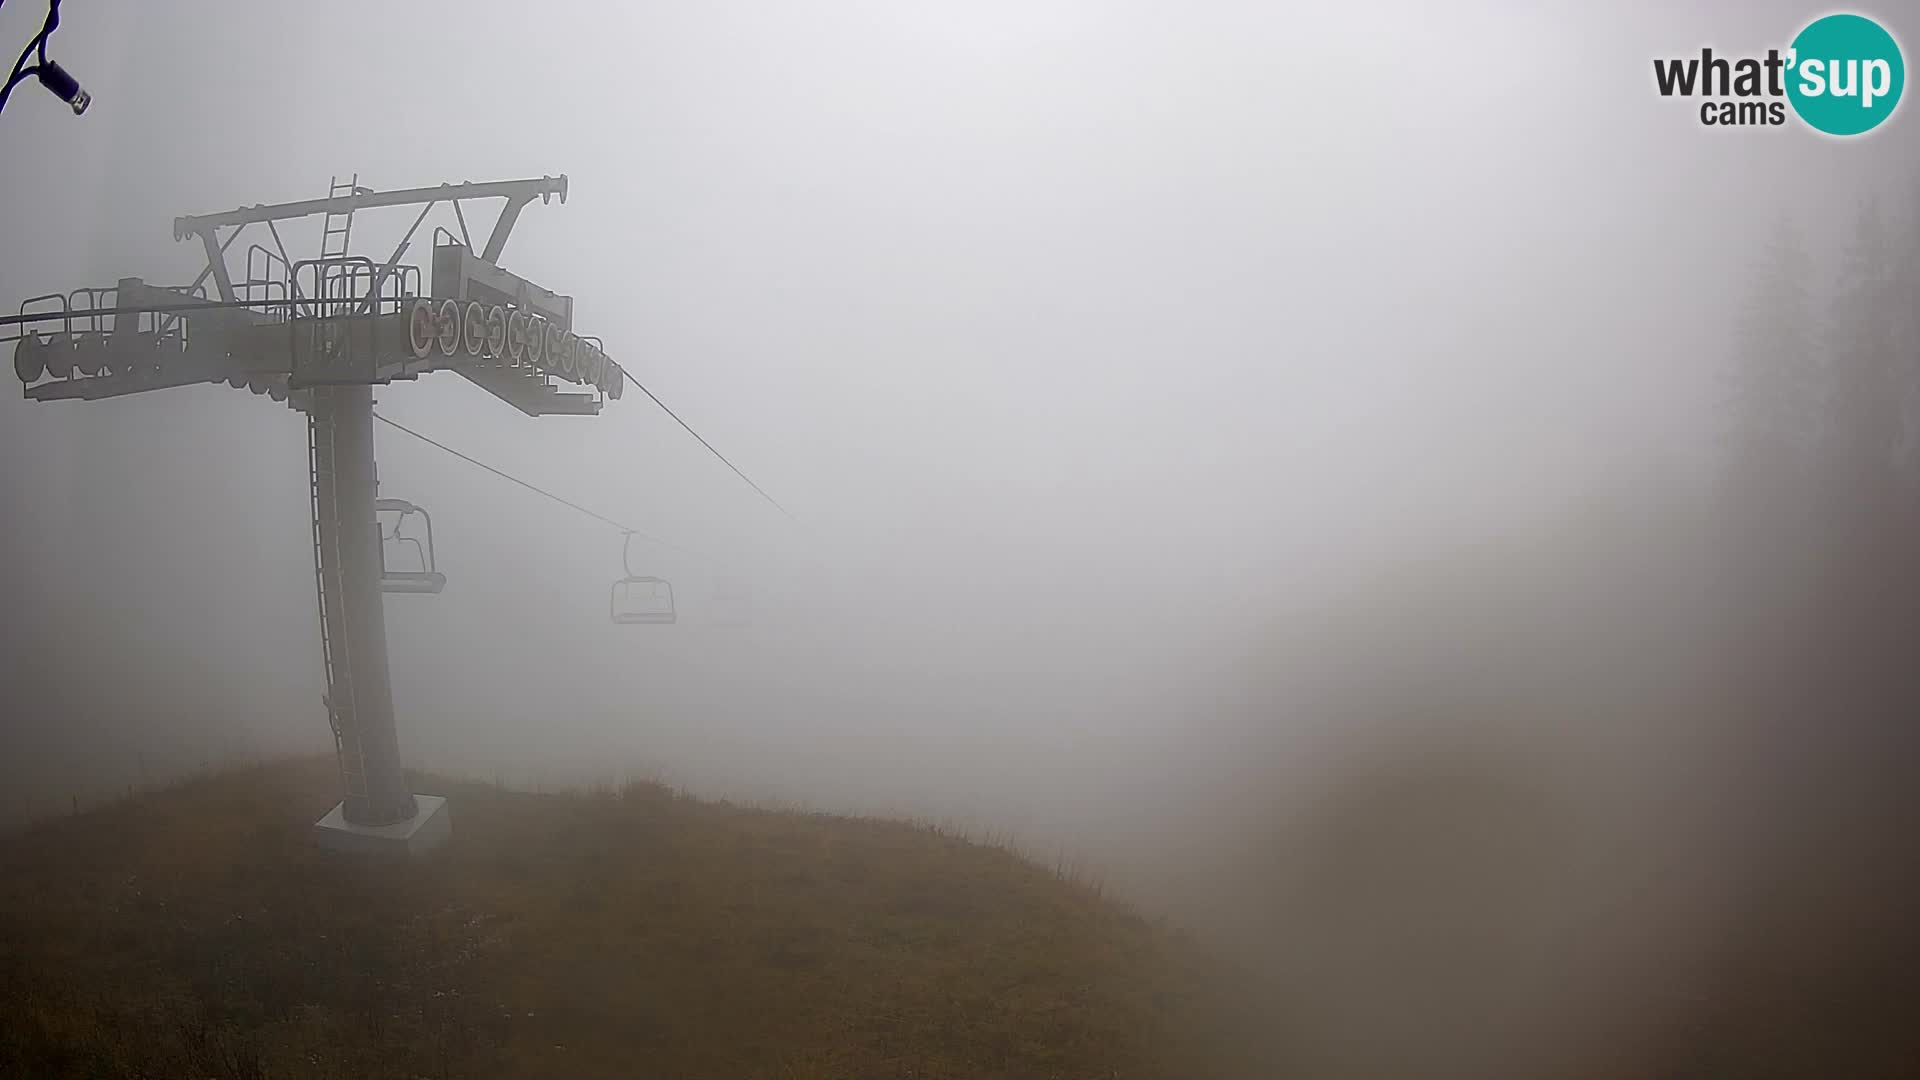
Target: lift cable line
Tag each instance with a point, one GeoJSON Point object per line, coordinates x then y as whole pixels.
{"type": "Point", "coordinates": [627, 529]}
{"type": "Point", "coordinates": [711, 450]}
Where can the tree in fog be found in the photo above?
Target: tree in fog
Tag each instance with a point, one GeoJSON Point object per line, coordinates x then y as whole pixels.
{"type": "Point", "coordinates": [1905, 289]}
{"type": "Point", "coordinates": [1867, 582]}
{"type": "Point", "coordinates": [1869, 585]}
{"type": "Point", "coordinates": [1821, 684]}
{"type": "Point", "coordinates": [1867, 388]}
{"type": "Point", "coordinates": [1772, 387]}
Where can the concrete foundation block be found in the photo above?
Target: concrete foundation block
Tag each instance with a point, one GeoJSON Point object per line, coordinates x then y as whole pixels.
{"type": "Point", "coordinates": [425, 831]}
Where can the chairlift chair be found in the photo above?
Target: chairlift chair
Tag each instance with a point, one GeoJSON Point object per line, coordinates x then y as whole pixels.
{"type": "Point", "coordinates": [640, 599]}
{"type": "Point", "coordinates": [427, 579]}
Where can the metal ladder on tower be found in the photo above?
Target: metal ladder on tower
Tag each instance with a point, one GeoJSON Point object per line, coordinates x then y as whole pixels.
{"type": "Point", "coordinates": [339, 674]}
{"type": "Point", "coordinates": [336, 237]}
{"type": "Point", "coordinates": [338, 225]}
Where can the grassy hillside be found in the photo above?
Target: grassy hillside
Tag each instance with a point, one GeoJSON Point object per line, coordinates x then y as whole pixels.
{"type": "Point", "coordinates": [200, 932]}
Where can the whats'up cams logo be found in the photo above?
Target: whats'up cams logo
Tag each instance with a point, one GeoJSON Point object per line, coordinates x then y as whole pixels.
{"type": "Point", "coordinates": [1842, 75]}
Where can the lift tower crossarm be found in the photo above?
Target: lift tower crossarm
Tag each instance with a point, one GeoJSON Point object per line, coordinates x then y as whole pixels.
{"type": "Point", "coordinates": [518, 193]}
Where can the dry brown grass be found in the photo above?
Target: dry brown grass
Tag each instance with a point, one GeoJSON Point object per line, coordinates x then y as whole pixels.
{"type": "Point", "coordinates": [200, 932]}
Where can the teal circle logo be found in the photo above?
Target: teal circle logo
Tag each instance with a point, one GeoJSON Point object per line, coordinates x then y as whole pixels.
{"type": "Point", "coordinates": [1847, 74]}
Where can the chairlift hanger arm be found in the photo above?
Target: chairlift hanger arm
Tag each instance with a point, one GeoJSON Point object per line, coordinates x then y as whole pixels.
{"type": "Point", "coordinates": [429, 557]}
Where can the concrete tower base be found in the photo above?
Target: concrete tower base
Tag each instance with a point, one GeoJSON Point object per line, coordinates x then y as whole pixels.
{"type": "Point", "coordinates": [421, 833]}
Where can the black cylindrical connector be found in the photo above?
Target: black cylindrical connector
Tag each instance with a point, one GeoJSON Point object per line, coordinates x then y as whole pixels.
{"type": "Point", "coordinates": [64, 86]}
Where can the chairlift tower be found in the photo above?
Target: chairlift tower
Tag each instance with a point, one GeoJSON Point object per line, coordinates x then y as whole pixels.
{"type": "Point", "coordinates": [319, 334]}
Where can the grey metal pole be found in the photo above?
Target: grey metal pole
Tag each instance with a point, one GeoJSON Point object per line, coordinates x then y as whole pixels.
{"type": "Point", "coordinates": [353, 622]}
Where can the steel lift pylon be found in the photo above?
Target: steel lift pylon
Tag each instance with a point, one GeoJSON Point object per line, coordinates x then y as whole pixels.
{"type": "Point", "coordinates": [319, 335]}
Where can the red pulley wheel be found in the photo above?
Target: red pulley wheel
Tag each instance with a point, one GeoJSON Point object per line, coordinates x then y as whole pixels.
{"type": "Point", "coordinates": [497, 333]}
{"type": "Point", "coordinates": [30, 358]}
{"type": "Point", "coordinates": [516, 336]}
{"type": "Point", "coordinates": [422, 329]}
{"type": "Point", "coordinates": [474, 332]}
{"type": "Point", "coordinates": [449, 327]}
{"type": "Point", "coordinates": [537, 341]}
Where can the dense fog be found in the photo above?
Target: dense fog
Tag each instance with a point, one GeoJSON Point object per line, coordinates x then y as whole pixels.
{"type": "Point", "coordinates": [1274, 455]}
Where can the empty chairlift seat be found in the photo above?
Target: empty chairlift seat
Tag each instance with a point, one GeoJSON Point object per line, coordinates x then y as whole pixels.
{"type": "Point", "coordinates": [406, 563]}
{"type": "Point", "coordinates": [640, 599]}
